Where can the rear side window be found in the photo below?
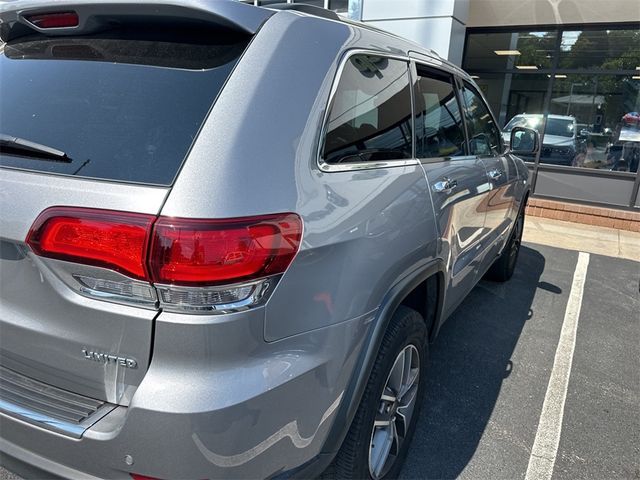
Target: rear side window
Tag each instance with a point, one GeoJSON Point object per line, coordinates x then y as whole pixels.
{"type": "Point", "coordinates": [439, 130]}
{"type": "Point", "coordinates": [370, 116]}
{"type": "Point", "coordinates": [484, 135]}
{"type": "Point", "coordinates": [123, 106]}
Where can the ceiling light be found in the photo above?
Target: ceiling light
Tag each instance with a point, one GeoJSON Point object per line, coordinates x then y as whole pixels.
{"type": "Point", "coordinates": [507, 52]}
{"type": "Point", "coordinates": [526, 67]}
{"type": "Point", "coordinates": [635, 77]}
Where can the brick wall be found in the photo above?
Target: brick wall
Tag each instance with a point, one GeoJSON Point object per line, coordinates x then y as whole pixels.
{"type": "Point", "coordinates": [572, 212]}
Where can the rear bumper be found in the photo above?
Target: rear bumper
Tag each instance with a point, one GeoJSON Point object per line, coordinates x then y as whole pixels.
{"type": "Point", "coordinates": [23, 464]}
{"type": "Point", "coordinates": [208, 407]}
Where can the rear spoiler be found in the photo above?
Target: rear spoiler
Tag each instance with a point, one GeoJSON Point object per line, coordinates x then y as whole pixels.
{"type": "Point", "coordinates": [94, 16]}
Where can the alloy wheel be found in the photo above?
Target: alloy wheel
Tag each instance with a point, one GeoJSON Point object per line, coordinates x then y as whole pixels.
{"type": "Point", "coordinates": [515, 242]}
{"type": "Point", "coordinates": [394, 412]}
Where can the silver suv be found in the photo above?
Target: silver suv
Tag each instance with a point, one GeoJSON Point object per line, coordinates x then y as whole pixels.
{"type": "Point", "coordinates": [228, 235]}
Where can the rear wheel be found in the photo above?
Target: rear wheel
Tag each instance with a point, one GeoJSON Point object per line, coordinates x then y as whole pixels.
{"type": "Point", "coordinates": [379, 437]}
{"type": "Point", "coordinates": [504, 266]}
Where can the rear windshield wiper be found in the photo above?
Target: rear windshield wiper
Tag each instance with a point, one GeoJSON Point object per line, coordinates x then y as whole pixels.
{"type": "Point", "coordinates": [20, 146]}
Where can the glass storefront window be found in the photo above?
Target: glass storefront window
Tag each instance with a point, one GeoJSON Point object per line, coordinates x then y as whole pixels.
{"type": "Point", "coordinates": [601, 49]}
{"type": "Point", "coordinates": [340, 6]}
{"type": "Point", "coordinates": [594, 120]}
{"type": "Point", "coordinates": [512, 94]}
{"type": "Point", "coordinates": [604, 110]}
{"type": "Point", "coordinates": [509, 50]}
{"type": "Point", "coordinates": [593, 117]}
{"type": "Point", "coordinates": [316, 3]}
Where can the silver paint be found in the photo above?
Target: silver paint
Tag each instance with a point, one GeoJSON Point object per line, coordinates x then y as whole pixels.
{"type": "Point", "coordinates": [252, 392]}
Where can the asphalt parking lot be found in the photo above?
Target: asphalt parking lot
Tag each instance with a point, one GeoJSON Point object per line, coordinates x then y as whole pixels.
{"type": "Point", "coordinates": [491, 367]}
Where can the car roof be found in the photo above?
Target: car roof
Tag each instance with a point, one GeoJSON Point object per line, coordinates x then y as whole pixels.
{"type": "Point", "coordinates": [234, 14]}
{"type": "Point", "coordinates": [409, 46]}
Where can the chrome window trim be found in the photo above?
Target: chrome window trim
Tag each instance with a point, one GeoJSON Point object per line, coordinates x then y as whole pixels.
{"type": "Point", "coordinates": [413, 79]}
{"type": "Point", "coordinates": [348, 167]}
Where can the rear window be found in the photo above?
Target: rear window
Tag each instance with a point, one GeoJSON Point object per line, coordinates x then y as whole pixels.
{"type": "Point", "coordinates": [123, 106]}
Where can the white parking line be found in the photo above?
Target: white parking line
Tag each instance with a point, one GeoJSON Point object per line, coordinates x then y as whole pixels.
{"type": "Point", "coordinates": [545, 446]}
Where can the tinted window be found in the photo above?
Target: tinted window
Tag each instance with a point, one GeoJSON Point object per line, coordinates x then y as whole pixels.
{"type": "Point", "coordinates": [439, 131]}
{"type": "Point", "coordinates": [484, 135]}
{"type": "Point", "coordinates": [370, 117]}
{"type": "Point", "coordinates": [122, 108]}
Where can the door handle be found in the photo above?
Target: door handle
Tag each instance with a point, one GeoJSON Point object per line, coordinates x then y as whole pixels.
{"type": "Point", "coordinates": [495, 174]}
{"type": "Point", "coordinates": [445, 185]}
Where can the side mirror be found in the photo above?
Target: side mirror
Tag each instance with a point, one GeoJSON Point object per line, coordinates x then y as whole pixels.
{"type": "Point", "coordinates": [524, 141]}
{"type": "Point", "coordinates": [584, 133]}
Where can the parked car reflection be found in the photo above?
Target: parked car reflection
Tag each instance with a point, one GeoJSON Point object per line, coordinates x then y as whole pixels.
{"type": "Point", "coordinates": [561, 142]}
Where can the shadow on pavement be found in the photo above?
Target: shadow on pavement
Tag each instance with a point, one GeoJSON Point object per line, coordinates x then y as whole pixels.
{"type": "Point", "coordinates": [468, 362]}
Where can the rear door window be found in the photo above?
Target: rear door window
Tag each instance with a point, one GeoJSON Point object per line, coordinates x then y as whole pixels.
{"type": "Point", "coordinates": [484, 134]}
{"type": "Point", "coordinates": [439, 129]}
{"type": "Point", "coordinates": [123, 106]}
{"type": "Point", "coordinates": [370, 116]}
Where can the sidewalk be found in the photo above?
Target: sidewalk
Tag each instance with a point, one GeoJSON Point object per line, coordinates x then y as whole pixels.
{"type": "Point", "coordinates": [586, 238]}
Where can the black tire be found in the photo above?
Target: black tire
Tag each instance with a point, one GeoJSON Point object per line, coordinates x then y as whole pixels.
{"type": "Point", "coordinates": [504, 266]}
{"type": "Point", "coordinates": [407, 327]}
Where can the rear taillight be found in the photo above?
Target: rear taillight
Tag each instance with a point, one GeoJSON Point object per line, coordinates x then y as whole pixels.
{"type": "Point", "coordinates": [196, 265]}
{"type": "Point", "coordinates": [218, 252]}
{"type": "Point", "coordinates": [55, 20]}
{"type": "Point", "coordinates": [103, 238]}
{"type": "Point", "coordinates": [137, 476]}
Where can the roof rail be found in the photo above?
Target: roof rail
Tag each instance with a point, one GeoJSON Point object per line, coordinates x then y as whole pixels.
{"type": "Point", "coordinates": [301, 7]}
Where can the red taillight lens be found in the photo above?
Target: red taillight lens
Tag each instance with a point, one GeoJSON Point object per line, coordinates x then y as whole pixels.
{"type": "Point", "coordinates": [137, 476]}
{"type": "Point", "coordinates": [217, 252]}
{"type": "Point", "coordinates": [183, 251]}
{"type": "Point", "coordinates": [104, 238]}
{"type": "Point", "coordinates": [55, 20]}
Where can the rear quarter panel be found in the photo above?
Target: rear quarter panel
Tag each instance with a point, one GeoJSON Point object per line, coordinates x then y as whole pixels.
{"type": "Point", "coordinates": [256, 154]}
